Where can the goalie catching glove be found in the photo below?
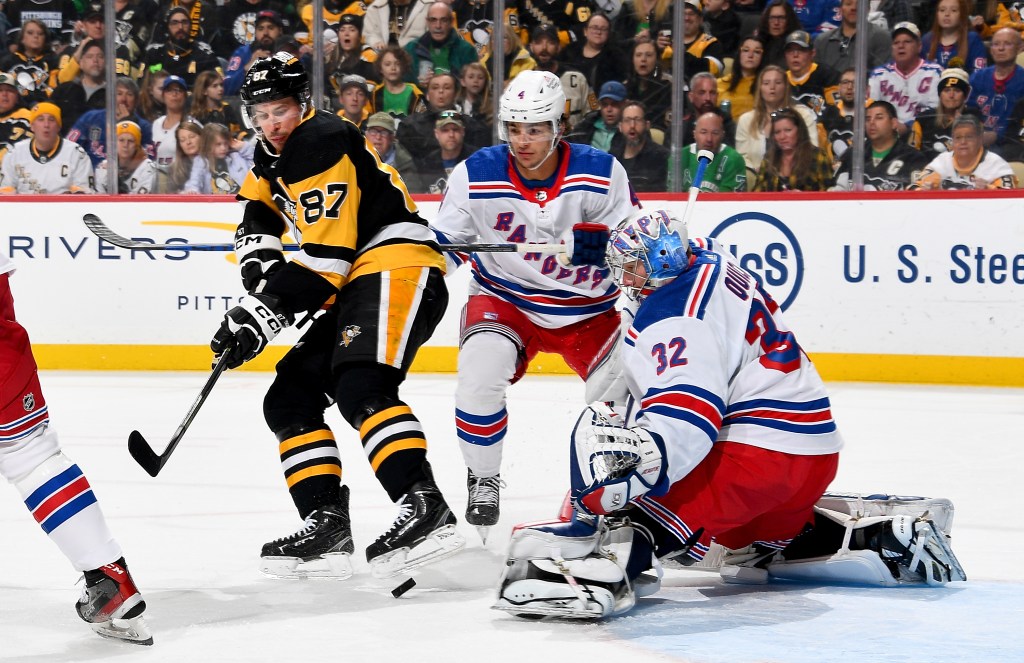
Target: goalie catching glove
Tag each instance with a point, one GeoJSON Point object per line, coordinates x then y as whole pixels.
{"type": "Point", "coordinates": [589, 244]}
{"type": "Point", "coordinates": [611, 464]}
{"type": "Point", "coordinates": [249, 327]}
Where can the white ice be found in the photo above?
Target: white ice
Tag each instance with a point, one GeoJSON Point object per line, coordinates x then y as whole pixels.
{"type": "Point", "coordinates": [193, 534]}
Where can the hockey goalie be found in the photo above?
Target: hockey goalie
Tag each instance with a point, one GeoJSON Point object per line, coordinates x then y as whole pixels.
{"type": "Point", "coordinates": [712, 445]}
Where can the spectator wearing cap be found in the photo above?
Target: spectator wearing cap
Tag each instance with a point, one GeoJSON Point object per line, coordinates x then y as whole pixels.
{"type": "Point", "coordinates": [181, 54]}
{"type": "Point", "coordinates": [90, 131]}
{"type": "Point", "coordinates": [440, 48]}
{"type": "Point", "coordinates": [544, 46]}
{"type": "Point", "coordinates": [46, 163]}
{"type": "Point", "coordinates": [645, 161]}
{"type": "Point", "coordinates": [164, 127]}
{"type": "Point", "coordinates": [389, 22]}
{"type": "Point", "coordinates": [596, 55]}
{"type": "Point", "coordinates": [238, 18]}
{"type": "Point", "coordinates": [88, 92]}
{"type": "Point", "coordinates": [15, 119]}
{"type": "Point", "coordinates": [703, 51]}
{"type": "Point", "coordinates": [393, 95]}
{"type": "Point", "coordinates": [908, 81]}
{"type": "Point", "coordinates": [136, 172]}
{"type": "Point", "coordinates": [416, 131]}
{"type": "Point", "coordinates": [814, 85]}
{"type": "Point", "coordinates": [437, 165]}
{"type": "Point", "coordinates": [996, 90]}
{"type": "Point", "coordinates": [352, 96]}
{"type": "Point", "coordinates": [598, 128]}
{"type": "Point", "coordinates": [380, 131]}
{"type": "Point", "coordinates": [835, 48]}
{"type": "Point", "coordinates": [89, 31]}
{"type": "Point", "coordinates": [351, 55]}
{"type": "Point", "coordinates": [269, 26]}
{"type": "Point", "coordinates": [567, 18]}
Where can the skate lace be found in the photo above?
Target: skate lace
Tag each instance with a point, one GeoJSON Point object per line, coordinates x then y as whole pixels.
{"type": "Point", "coordinates": [405, 511]}
{"type": "Point", "coordinates": [308, 526]}
{"type": "Point", "coordinates": [483, 491]}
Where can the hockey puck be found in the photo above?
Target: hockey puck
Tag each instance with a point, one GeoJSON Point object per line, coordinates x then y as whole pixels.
{"type": "Point", "coordinates": [403, 588]}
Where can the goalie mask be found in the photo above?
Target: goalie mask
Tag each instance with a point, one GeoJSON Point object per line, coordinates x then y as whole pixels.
{"type": "Point", "coordinates": [647, 250]}
{"type": "Point", "coordinates": [269, 79]}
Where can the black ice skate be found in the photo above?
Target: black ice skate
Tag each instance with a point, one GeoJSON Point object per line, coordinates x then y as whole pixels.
{"type": "Point", "coordinates": [112, 604]}
{"type": "Point", "coordinates": [423, 532]}
{"type": "Point", "coordinates": [482, 506]}
{"type": "Point", "coordinates": [321, 549]}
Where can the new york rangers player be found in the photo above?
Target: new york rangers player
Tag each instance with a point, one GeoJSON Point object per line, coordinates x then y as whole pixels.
{"type": "Point", "coordinates": [56, 491]}
{"type": "Point", "coordinates": [726, 435]}
{"type": "Point", "coordinates": [537, 188]}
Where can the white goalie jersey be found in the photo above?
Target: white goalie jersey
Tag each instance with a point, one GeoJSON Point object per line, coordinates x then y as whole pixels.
{"type": "Point", "coordinates": [708, 358]}
{"type": "Point", "coordinates": [487, 202]}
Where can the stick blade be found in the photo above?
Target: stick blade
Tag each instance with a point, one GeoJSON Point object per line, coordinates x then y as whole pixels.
{"type": "Point", "coordinates": [144, 454]}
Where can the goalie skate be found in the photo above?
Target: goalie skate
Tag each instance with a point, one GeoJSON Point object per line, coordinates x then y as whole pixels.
{"type": "Point", "coordinates": [112, 604]}
{"type": "Point", "coordinates": [322, 548]}
{"type": "Point", "coordinates": [423, 532]}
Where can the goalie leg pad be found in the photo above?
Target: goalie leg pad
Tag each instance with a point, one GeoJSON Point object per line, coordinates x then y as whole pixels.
{"type": "Point", "coordinates": [937, 509]}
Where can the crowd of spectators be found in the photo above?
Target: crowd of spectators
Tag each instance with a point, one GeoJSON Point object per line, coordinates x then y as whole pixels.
{"type": "Point", "coordinates": [769, 87]}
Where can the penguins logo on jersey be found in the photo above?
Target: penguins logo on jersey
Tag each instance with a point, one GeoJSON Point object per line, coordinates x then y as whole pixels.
{"type": "Point", "coordinates": [766, 248]}
{"type": "Point", "coordinates": [349, 333]}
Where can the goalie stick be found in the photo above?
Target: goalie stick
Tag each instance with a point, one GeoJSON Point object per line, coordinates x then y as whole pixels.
{"type": "Point", "coordinates": [143, 453]}
{"type": "Point", "coordinates": [704, 157]}
{"type": "Point", "coordinates": [103, 231]}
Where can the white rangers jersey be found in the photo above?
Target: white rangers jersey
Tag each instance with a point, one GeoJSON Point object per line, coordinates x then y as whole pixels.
{"type": "Point", "coordinates": [989, 172]}
{"type": "Point", "coordinates": [64, 169]}
{"type": "Point", "coordinates": [164, 143]}
{"type": "Point", "coordinates": [708, 358]}
{"type": "Point", "coordinates": [911, 94]}
{"type": "Point", "coordinates": [140, 180]}
{"type": "Point", "coordinates": [6, 264]}
{"type": "Point", "coordinates": [486, 201]}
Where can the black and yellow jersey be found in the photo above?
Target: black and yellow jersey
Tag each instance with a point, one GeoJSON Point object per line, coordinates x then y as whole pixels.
{"type": "Point", "coordinates": [350, 213]}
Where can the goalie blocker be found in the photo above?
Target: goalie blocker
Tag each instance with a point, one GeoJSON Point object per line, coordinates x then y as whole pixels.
{"type": "Point", "coordinates": [590, 568]}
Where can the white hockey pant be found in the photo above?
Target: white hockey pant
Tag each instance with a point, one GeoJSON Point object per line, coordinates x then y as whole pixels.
{"type": "Point", "coordinates": [60, 498]}
{"type": "Point", "coordinates": [487, 364]}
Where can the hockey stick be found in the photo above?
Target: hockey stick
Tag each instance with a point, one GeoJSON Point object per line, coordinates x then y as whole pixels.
{"type": "Point", "coordinates": [704, 157]}
{"type": "Point", "coordinates": [144, 454]}
{"type": "Point", "coordinates": [101, 230]}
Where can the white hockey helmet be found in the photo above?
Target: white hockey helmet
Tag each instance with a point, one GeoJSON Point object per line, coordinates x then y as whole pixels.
{"type": "Point", "coordinates": [656, 239]}
{"type": "Point", "coordinates": [532, 96]}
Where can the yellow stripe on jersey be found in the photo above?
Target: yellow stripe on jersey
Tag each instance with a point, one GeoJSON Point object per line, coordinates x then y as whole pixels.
{"type": "Point", "coordinates": [401, 290]}
{"type": "Point", "coordinates": [396, 256]}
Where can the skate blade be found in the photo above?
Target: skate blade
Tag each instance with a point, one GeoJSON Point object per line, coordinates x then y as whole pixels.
{"type": "Point", "coordinates": [567, 608]}
{"type": "Point", "coordinates": [440, 544]}
{"type": "Point", "coordinates": [483, 531]}
{"type": "Point", "coordinates": [333, 566]}
{"type": "Point", "coordinates": [135, 631]}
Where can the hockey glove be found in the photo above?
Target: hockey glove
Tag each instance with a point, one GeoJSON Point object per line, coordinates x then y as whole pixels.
{"type": "Point", "coordinates": [612, 465]}
{"type": "Point", "coordinates": [589, 243]}
{"type": "Point", "coordinates": [259, 256]}
{"type": "Point", "coordinates": [249, 327]}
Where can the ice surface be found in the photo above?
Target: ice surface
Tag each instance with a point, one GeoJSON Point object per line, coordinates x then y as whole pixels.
{"type": "Point", "coordinates": [193, 534]}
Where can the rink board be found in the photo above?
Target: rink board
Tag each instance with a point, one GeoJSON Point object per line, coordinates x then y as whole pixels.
{"type": "Point", "coordinates": [899, 287]}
